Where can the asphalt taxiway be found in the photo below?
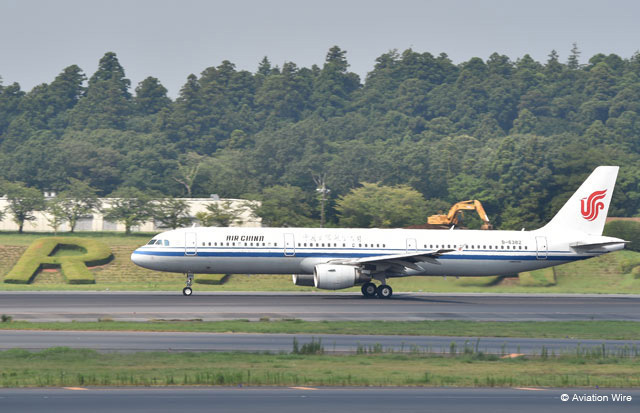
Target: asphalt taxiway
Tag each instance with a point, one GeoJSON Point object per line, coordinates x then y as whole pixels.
{"type": "Point", "coordinates": [143, 306]}
{"type": "Point", "coordinates": [309, 399]}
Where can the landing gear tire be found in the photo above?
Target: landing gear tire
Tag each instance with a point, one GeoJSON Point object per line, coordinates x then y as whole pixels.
{"type": "Point", "coordinates": [187, 291]}
{"type": "Point", "coordinates": [384, 291]}
{"type": "Point", "coordinates": [369, 290]}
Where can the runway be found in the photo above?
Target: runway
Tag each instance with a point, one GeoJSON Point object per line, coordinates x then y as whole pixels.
{"type": "Point", "coordinates": [294, 400]}
{"type": "Point", "coordinates": [143, 306]}
{"type": "Point", "coordinates": [123, 341]}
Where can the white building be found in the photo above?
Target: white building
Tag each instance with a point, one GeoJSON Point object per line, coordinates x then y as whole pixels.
{"type": "Point", "coordinates": [96, 222]}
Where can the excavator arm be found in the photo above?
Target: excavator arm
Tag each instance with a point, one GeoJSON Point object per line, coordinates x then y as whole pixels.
{"type": "Point", "coordinates": [452, 218]}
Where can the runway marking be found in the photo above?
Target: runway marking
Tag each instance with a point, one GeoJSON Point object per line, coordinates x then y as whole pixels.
{"type": "Point", "coordinates": [75, 388]}
{"type": "Point", "coordinates": [303, 388]}
{"type": "Point", "coordinates": [529, 388]}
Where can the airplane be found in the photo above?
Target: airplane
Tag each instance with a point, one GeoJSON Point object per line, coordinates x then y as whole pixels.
{"type": "Point", "coordinates": [338, 258]}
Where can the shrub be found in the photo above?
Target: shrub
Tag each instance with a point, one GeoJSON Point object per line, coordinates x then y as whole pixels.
{"type": "Point", "coordinates": [627, 230]}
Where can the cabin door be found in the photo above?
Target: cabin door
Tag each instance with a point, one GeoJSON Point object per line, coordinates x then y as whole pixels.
{"type": "Point", "coordinates": [289, 245]}
{"type": "Point", "coordinates": [411, 245]}
{"type": "Point", "coordinates": [541, 248]}
{"type": "Point", "coordinates": [190, 243]}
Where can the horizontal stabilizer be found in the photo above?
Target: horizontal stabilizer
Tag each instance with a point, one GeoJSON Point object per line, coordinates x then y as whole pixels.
{"type": "Point", "coordinates": [607, 246]}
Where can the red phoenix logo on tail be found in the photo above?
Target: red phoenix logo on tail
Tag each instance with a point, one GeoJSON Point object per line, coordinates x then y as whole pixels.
{"type": "Point", "coordinates": [591, 206]}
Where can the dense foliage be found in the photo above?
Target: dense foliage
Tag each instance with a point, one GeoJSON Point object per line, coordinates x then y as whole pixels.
{"type": "Point", "coordinates": [518, 135]}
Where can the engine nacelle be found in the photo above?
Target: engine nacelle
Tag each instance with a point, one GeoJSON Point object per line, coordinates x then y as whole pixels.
{"type": "Point", "coordinates": [305, 280]}
{"type": "Point", "coordinates": [335, 277]}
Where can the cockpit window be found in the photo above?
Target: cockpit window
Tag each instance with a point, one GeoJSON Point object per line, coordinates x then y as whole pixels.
{"type": "Point", "coordinates": [166, 243]}
{"type": "Point", "coordinates": [153, 241]}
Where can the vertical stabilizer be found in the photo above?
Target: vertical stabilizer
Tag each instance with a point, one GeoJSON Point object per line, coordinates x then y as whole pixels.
{"type": "Point", "coordinates": [586, 211]}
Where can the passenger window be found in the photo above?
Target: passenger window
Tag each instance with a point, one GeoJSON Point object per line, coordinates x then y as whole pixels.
{"type": "Point", "coordinates": [383, 245]}
{"type": "Point", "coordinates": [166, 243]}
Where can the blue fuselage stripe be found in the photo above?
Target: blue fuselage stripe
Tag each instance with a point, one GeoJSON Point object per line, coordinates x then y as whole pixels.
{"type": "Point", "coordinates": [330, 255]}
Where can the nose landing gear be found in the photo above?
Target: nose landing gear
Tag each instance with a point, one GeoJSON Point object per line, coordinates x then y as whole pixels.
{"type": "Point", "coordinates": [187, 291]}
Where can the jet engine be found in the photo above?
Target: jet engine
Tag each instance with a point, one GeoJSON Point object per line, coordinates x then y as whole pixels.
{"type": "Point", "coordinates": [336, 277]}
{"type": "Point", "coordinates": [305, 280]}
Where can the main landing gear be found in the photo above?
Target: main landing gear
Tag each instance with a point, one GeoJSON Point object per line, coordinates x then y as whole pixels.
{"type": "Point", "coordinates": [187, 290]}
{"type": "Point", "coordinates": [369, 290]}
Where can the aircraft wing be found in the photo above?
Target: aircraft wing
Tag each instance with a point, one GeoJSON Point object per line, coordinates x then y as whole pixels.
{"type": "Point", "coordinates": [405, 260]}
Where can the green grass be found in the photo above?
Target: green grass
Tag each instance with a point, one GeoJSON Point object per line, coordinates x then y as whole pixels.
{"type": "Point", "coordinates": [612, 330]}
{"type": "Point", "coordinates": [66, 367]}
{"type": "Point", "coordinates": [611, 273]}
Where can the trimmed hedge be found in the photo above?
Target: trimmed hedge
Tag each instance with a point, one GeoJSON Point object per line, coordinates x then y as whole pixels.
{"type": "Point", "coordinates": [545, 277]}
{"type": "Point", "coordinates": [627, 230]}
{"type": "Point", "coordinates": [212, 279]}
{"type": "Point", "coordinates": [73, 267]}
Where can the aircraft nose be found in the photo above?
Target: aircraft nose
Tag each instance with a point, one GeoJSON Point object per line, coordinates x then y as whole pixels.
{"type": "Point", "coordinates": [137, 258]}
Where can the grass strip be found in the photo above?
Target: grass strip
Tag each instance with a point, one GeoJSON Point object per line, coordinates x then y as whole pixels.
{"type": "Point", "coordinates": [67, 367]}
{"type": "Point", "coordinates": [612, 330]}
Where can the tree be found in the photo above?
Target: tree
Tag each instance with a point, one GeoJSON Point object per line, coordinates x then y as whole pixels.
{"type": "Point", "coordinates": [284, 206]}
{"type": "Point", "coordinates": [171, 212]}
{"type": "Point", "coordinates": [525, 123]}
{"type": "Point", "coordinates": [334, 85]}
{"type": "Point", "coordinates": [107, 103]}
{"type": "Point", "coordinates": [109, 68]}
{"type": "Point", "coordinates": [378, 206]}
{"type": "Point", "coordinates": [56, 214]}
{"type": "Point", "coordinates": [77, 201]}
{"type": "Point", "coordinates": [573, 62]}
{"type": "Point", "coordinates": [188, 168]}
{"type": "Point", "coordinates": [221, 214]}
{"type": "Point", "coordinates": [23, 202]}
{"type": "Point", "coordinates": [129, 206]}
{"type": "Point", "coordinates": [151, 96]}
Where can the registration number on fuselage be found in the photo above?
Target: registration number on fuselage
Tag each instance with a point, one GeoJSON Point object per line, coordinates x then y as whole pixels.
{"type": "Point", "coordinates": [511, 242]}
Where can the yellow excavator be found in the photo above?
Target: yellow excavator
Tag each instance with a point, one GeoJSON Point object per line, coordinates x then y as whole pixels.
{"type": "Point", "coordinates": [453, 217]}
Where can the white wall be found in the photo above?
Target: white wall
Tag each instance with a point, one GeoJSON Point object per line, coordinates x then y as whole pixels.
{"type": "Point", "coordinates": [97, 223]}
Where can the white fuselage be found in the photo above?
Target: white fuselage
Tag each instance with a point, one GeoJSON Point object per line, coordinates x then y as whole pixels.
{"type": "Point", "coordinates": [299, 250]}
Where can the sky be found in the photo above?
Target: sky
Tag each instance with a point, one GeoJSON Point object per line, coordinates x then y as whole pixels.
{"type": "Point", "coordinates": [172, 39]}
